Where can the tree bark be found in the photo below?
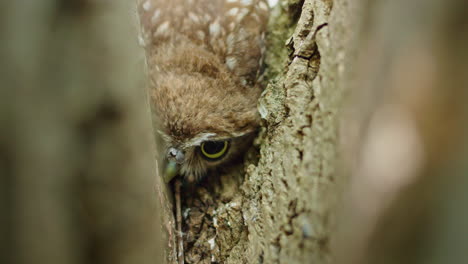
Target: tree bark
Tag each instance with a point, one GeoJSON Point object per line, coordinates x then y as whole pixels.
{"type": "Point", "coordinates": [76, 149]}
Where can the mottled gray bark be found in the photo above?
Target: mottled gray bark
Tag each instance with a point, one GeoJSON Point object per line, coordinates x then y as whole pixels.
{"type": "Point", "coordinates": [76, 158]}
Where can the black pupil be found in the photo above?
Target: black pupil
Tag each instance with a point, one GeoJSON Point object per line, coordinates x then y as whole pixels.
{"type": "Point", "coordinates": [213, 147]}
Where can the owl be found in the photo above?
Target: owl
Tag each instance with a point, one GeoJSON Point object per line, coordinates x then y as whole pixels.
{"type": "Point", "coordinates": [204, 59]}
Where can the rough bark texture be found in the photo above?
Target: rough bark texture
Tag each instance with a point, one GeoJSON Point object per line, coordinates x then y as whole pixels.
{"type": "Point", "coordinates": [280, 210]}
{"type": "Point", "coordinates": [289, 193]}
{"type": "Point", "coordinates": [76, 158]}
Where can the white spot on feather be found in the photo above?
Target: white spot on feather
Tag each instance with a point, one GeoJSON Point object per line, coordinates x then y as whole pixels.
{"type": "Point", "coordinates": [263, 6]}
{"type": "Point", "coordinates": [232, 11]}
{"type": "Point", "coordinates": [147, 5]}
{"type": "Point", "coordinates": [242, 14]}
{"type": "Point", "coordinates": [272, 2]}
{"type": "Point", "coordinates": [246, 2]}
{"type": "Point", "coordinates": [201, 35]}
{"type": "Point", "coordinates": [231, 62]}
{"type": "Point", "coordinates": [232, 25]}
{"type": "Point", "coordinates": [215, 29]}
{"type": "Point", "coordinates": [162, 28]}
{"type": "Point", "coordinates": [156, 15]}
{"type": "Point", "coordinates": [194, 17]}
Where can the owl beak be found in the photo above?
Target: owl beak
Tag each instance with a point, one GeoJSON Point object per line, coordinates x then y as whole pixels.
{"type": "Point", "coordinates": [171, 171]}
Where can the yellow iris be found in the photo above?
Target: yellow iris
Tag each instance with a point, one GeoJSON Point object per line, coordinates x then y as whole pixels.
{"type": "Point", "coordinates": [214, 149]}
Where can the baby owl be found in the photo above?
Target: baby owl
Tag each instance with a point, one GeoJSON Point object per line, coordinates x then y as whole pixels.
{"type": "Point", "coordinates": [204, 59]}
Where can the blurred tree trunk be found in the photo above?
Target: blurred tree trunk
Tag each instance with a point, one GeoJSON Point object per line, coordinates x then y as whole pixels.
{"type": "Point", "coordinates": [77, 171]}
{"type": "Point", "coordinates": [407, 155]}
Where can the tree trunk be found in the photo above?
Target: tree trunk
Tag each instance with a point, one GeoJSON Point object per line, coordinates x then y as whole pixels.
{"type": "Point", "coordinates": [76, 157]}
{"type": "Point", "coordinates": [406, 201]}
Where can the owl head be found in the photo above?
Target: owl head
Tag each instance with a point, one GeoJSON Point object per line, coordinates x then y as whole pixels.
{"type": "Point", "coordinates": [205, 116]}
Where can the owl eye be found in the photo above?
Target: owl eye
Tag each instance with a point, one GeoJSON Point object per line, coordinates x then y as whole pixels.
{"type": "Point", "coordinates": [213, 150]}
